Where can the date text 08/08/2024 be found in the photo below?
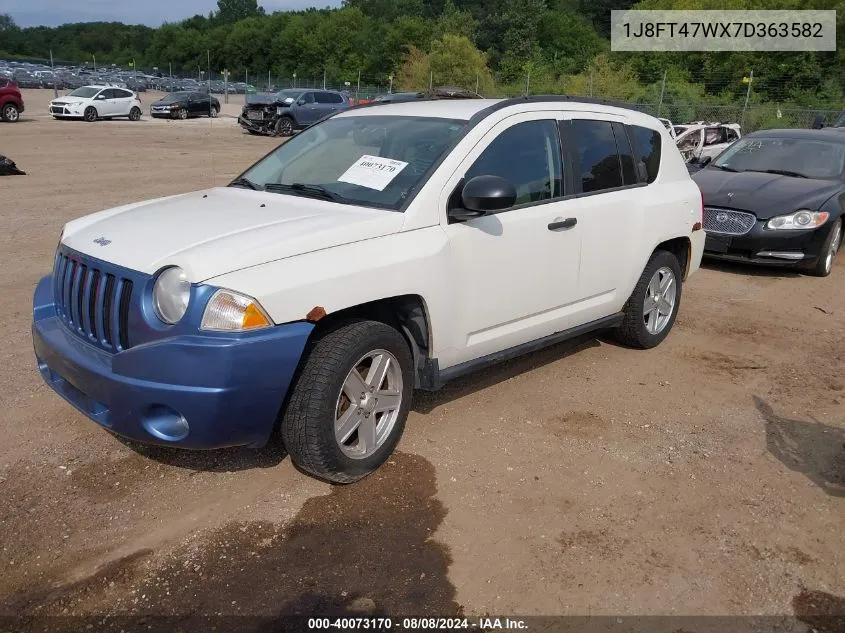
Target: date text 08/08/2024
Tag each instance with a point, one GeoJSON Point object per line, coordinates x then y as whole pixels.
{"type": "Point", "coordinates": [383, 623]}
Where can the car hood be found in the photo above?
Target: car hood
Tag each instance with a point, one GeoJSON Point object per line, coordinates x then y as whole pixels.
{"type": "Point", "coordinates": [70, 100]}
{"type": "Point", "coordinates": [221, 230]}
{"type": "Point", "coordinates": [765, 195]}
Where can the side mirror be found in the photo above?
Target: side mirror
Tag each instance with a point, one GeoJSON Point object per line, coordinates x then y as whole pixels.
{"type": "Point", "coordinates": [484, 195]}
{"type": "Point", "coordinates": [704, 160]}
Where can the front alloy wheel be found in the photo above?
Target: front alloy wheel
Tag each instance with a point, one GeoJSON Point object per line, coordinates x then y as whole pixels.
{"type": "Point", "coordinates": [348, 407]}
{"type": "Point", "coordinates": [284, 126]}
{"type": "Point", "coordinates": [368, 404]}
{"type": "Point", "coordinates": [830, 248]}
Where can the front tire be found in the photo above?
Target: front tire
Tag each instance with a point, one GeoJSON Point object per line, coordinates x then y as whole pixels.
{"type": "Point", "coordinates": [183, 114]}
{"type": "Point", "coordinates": [830, 248]}
{"type": "Point", "coordinates": [10, 113]}
{"type": "Point", "coordinates": [90, 114]}
{"type": "Point", "coordinates": [653, 306]}
{"type": "Point", "coordinates": [214, 112]}
{"type": "Point", "coordinates": [349, 406]}
{"type": "Point", "coordinates": [135, 114]}
{"type": "Point", "coordinates": [284, 126]}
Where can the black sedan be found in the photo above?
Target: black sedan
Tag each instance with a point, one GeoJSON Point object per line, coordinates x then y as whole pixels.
{"type": "Point", "coordinates": [181, 105]}
{"type": "Point", "coordinates": [776, 197]}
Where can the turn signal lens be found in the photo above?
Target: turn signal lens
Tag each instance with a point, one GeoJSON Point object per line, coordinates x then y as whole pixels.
{"type": "Point", "coordinates": [229, 311]}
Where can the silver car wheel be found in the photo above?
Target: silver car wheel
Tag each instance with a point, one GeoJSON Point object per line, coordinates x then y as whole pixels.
{"type": "Point", "coordinates": [368, 404]}
{"type": "Point", "coordinates": [659, 303]}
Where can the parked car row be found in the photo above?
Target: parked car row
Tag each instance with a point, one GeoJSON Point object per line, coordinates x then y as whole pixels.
{"type": "Point", "coordinates": [95, 102]}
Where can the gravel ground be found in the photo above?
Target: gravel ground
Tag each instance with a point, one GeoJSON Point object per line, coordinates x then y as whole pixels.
{"type": "Point", "coordinates": [706, 476]}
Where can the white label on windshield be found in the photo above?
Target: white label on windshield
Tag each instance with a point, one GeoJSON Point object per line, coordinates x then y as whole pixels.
{"type": "Point", "coordinates": [373, 172]}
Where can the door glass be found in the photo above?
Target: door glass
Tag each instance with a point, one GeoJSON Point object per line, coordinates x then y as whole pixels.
{"type": "Point", "coordinates": [323, 97]}
{"type": "Point", "coordinates": [308, 97]}
{"type": "Point", "coordinates": [528, 156]}
{"type": "Point", "coordinates": [648, 143]}
{"type": "Point", "coordinates": [598, 158]}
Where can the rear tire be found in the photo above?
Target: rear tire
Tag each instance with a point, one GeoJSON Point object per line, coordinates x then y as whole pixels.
{"type": "Point", "coordinates": [332, 426]}
{"type": "Point", "coordinates": [653, 306]}
{"type": "Point", "coordinates": [10, 113]}
{"type": "Point", "coordinates": [831, 246]}
{"type": "Point", "coordinates": [90, 114]}
{"type": "Point", "coordinates": [135, 114]}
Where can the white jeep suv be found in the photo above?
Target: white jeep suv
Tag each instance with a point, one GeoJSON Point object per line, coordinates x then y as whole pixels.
{"type": "Point", "coordinates": [383, 250]}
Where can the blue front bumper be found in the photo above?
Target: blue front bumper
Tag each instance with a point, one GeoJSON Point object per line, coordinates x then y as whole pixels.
{"type": "Point", "coordinates": [208, 390]}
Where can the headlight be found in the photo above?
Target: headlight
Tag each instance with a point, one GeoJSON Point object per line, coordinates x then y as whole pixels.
{"type": "Point", "coordinates": [803, 219]}
{"type": "Point", "coordinates": [230, 311]}
{"type": "Point", "coordinates": [171, 294]}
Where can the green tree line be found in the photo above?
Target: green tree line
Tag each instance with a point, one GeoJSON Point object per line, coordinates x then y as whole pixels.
{"type": "Point", "coordinates": [493, 44]}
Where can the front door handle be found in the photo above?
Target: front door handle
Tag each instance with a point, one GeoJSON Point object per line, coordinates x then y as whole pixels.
{"type": "Point", "coordinates": [559, 225]}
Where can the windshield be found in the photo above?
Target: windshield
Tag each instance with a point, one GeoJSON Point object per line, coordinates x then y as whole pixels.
{"type": "Point", "coordinates": [85, 93]}
{"type": "Point", "coordinates": [287, 94]}
{"type": "Point", "coordinates": [174, 96]}
{"type": "Point", "coordinates": [810, 158]}
{"type": "Point", "coordinates": [368, 160]}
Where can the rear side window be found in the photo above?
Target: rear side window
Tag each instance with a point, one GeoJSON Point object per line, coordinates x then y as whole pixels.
{"type": "Point", "coordinates": [599, 167]}
{"type": "Point", "coordinates": [528, 156]}
{"type": "Point", "coordinates": [323, 97]}
{"type": "Point", "coordinates": [122, 94]}
{"type": "Point", "coordinates": [647, 143]}
{"type": "Point", "coordinates": [335, 98]}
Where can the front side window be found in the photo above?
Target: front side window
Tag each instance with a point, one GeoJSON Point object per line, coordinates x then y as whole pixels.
{"type": "Point", "coordinates": [307, 98]}
{"type": "Point", "coordinates": [528, 156]}
{"type": "Point", "coordinates": [595, 146]}
{"type": "Point", "coordinates": [373, 161]}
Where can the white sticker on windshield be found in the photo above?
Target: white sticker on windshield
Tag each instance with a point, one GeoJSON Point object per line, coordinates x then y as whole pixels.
{"type": "Point", "coordinates": [373, 172]}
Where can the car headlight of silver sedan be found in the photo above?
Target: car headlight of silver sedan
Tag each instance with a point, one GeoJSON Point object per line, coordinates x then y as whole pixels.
{"type": "Point", "coordinates": [171, 294]}
{"type": "Point", "coordinates": [803, 219]}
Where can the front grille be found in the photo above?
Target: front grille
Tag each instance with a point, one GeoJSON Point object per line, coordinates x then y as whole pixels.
{"type": "Point", "coordinates": [728, 221]}
{"type": "Point", "coordinates": [92, 302]}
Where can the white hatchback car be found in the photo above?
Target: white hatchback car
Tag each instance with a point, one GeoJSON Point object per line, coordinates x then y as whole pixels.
{"type": "Point", "coordinates": [382, 250]}
{"type": "Point", "coordinates": [97, 102]}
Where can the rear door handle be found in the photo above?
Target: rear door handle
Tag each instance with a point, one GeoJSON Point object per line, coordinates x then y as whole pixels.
{"type": "Point", "coordinates": [559, 225]}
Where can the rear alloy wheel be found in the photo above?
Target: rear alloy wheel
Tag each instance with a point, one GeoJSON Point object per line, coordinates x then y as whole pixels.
{"type": "Point", "coordinates": [135, 114]}
{"type": "Point", "coordinates": [10, 113]}
{"type": "Point", "coordinates": [349, 406]}
{"type": "Point", "coordinates": [183, 113]}
{"type": "Point", "coordinates": [653, 306]}
{"type": "Point", "coordinates": [830, 248]}
{"type": "Point", "coordinates": [284, 126]}
{"type": "Point", "coordinates": [90, 114]}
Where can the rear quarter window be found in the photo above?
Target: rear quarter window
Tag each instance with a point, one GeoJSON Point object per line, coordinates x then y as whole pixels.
{"type": "Point", "coordinates": [647, 144]}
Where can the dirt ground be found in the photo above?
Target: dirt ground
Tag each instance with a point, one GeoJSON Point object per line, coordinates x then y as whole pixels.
{"type": "Point", "coordinates": [706, 476]}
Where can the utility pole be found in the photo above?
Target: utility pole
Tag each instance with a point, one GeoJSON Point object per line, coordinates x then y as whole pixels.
{"type": "Point", "coordinates": [390, 88]}
{"type": "Point", "coordinates": [269, 83]}
{"type": "Point", "coordinates": [476, 83]}
{"type": "Point", "coordinates": [55, 84]}
{"type": "Point", "coordinates": [431, 80]}
{"type": "Point", "coordinates": [747, 95]}
{"type": "Point", "coordinates": [528, 84]}
{"type": "Point", "coordinates": [324, 78]}
{"type": "Point", "coordinates": [662, 90]}
{"type": "Point", "coordinates": [591, 83]}
{"type": "Point", "coordinates": [358, 94]}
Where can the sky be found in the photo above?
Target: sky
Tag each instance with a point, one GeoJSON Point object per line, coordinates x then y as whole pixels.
{"type": "Point", "coordinates": [149, 12]}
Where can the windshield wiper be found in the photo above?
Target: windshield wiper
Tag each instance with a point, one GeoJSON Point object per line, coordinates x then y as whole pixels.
{"type": "Point", "coordinates": [724, 168]}
{"type": "Point", "coordinates": [313, 191]}
{"type": "Point", "coordinates": [780, 172]}
{"type": "Point", "coordinates": [244, 182]}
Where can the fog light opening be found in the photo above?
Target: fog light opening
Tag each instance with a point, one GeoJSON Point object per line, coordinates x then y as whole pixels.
{"type": "Point", "coordinates": [165, 423]}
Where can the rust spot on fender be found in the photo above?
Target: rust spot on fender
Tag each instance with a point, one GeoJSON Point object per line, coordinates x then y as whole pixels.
{"type": "Point", "coordinates": [696, 227]}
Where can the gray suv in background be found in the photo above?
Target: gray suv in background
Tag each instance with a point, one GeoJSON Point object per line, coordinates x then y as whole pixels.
{"type": "Point", "coordinates": [286, 111]}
